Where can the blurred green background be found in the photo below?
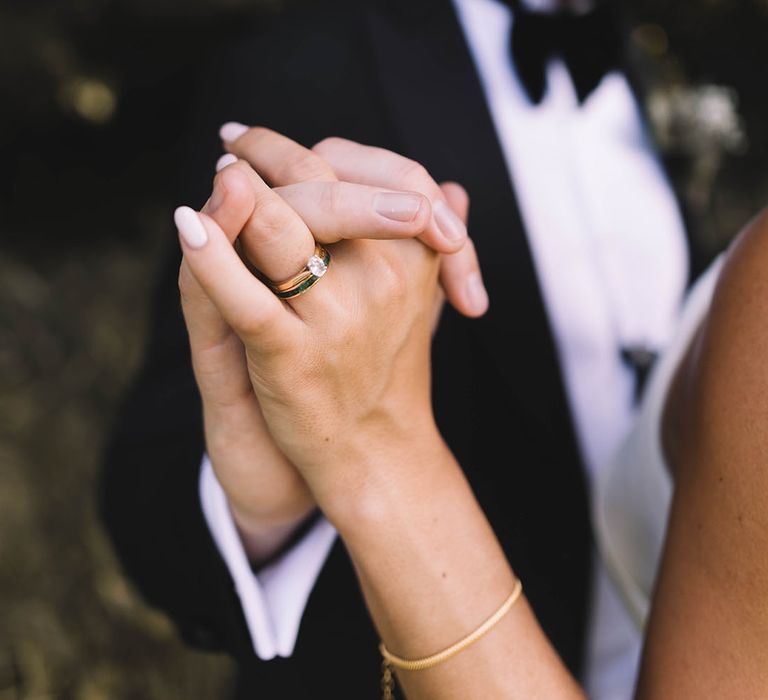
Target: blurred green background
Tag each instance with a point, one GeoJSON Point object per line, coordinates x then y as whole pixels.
{"type": "Point", "coordinates": [93, 98]}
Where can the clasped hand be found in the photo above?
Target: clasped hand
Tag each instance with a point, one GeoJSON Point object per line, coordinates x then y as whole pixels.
{"type": "Point", "coordinates": [298, 395]}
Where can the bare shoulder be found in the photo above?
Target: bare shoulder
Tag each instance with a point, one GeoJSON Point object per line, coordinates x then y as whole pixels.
{"type": "Point", "coordinates": [723, 353]}
{"type": "Point", "coordinates": [728, 376]}
{"type": "Point", "coordinates": [708, 632]}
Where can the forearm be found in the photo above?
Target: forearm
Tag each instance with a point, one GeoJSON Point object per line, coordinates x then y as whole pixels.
{"type": "Point", "coordinates": [432, 572]}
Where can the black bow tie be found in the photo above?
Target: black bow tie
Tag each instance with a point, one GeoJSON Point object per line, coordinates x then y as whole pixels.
{"type": "Point", "coordinates": [589, 44]}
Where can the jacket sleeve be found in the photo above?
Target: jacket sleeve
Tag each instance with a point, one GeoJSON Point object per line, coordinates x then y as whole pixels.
{"type": "Point", "coordinates": [293, 76]}
{"type": "Point", "coordinates": [274, 598]}
{"type": "Point", "coordinates": [149, 489]}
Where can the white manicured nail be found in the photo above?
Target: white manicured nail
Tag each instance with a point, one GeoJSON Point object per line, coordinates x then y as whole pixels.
{"type": "Point", "coordinates": [231, 131]}
{"type": "Point", "coordinates": [190, 227]}
{"type": "Point", "coordinates": [225, 160]}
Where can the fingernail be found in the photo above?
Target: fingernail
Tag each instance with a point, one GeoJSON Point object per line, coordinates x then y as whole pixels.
{"type": "Point", "coordinates": [225, 160]}
{"type": "Point", "coordinates": [476, 294]}
{"type": "Point", "coordinates": [450, 225]}
{"type": "Point", "coordinates": [398, 206]}
{"type": "Point", "coordinates": [190, 227]}
{"type": "Point", "coordinates": [231, 131]}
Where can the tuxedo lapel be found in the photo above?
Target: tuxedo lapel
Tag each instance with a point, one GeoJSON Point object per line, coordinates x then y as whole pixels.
{"type": "Point", "coordinates": [439, 109]}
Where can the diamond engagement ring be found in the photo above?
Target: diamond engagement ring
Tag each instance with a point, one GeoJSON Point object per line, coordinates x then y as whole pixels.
{"type": "Point", "coordinates": [316, 267]}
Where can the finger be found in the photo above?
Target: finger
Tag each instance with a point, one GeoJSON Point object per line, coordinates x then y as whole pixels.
{"type": "Point", "coordinates": [278, 243]}
{"type": "Point", "coordinates": [457, 198]}
{"type": "Point", "coordinates": [230, 205]}
{"type": "Point", "coordinates": [378, 167]}
{"type": "Point", "coordinates": [282, 161]}
{"type": "Point", "coordinates": [218, 355]}
{"type": "Point", "coordinates": [275, 240]}
{"type": "Point", "coordinates": [462, 281]}
{"type": "Point", "coordinates": [460, 275]}
{"type": "Point", "coordinates": [342, 210]}
{"type": "Point", "coordinates": [246, 304]}
{"type": "Point", "coordinates": [232, 200]}
{"type": "Point", "coordinates": [278, 159]}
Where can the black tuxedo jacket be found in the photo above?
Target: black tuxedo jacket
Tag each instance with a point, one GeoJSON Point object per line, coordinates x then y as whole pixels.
{"type": "Point", "coordinates": [398, 75]}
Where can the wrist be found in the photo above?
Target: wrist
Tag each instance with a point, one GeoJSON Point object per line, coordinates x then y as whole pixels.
{"type": "Point", "coordinates": [264, 536]}
{"type": "Point", "coordinates": [379, 481]}
{"type": "Point", "coordinates": [267, 498]}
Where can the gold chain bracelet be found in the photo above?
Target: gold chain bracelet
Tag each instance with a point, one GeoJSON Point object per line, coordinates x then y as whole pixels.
{"type": "Point", "coordinates": [390, 660]}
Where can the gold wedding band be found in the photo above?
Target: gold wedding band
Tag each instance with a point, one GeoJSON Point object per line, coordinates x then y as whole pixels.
{"type": "Point", "coordinates": [316, 267]}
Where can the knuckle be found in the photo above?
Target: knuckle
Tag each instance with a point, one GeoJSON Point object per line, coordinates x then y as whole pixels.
{"type": "Point", "coordinates": [305, 165]}
{"type": "Point", "coordinates": [269, 214]}
{"type": "Point", "coordinates": [391, 279]}
{"type": "Point", "coordinates": [332, 198]}
{"type": "Point", "coordinates": [239, 171]}
{"type": "Point", "coordinates": [249, 322]}
{"type": "Point", "coordinates": [415, 176]}
{"type": "Point", "coordinates": [250, 325]}
{"type": "Point", "coordinates": [247, 325]}
{"type": "Point", "coordinates": [235, 181]}
{"type": "Point", "coordinates": [329, 143]}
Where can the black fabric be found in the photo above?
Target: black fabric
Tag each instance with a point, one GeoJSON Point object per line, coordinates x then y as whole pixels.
{"type": "Point", "coordinates": [398, 75]}
{"type": "Point", "coordinates": [509, 384]}
{"type": "Point", "coordinates": [589, 44]}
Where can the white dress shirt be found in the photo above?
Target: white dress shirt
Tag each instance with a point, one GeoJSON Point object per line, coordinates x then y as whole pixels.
{"type": "Point", "coordinates": [634, 494]}
{"type": "Point", "coordinates": [609, 250]}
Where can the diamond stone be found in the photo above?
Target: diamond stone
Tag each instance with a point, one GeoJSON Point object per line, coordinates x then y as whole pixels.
{"type": "Point", "coordinates": [316, 265]}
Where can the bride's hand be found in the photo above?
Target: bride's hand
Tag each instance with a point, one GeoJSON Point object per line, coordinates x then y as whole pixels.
{"type": "Point", "coordinates": [343, 371]}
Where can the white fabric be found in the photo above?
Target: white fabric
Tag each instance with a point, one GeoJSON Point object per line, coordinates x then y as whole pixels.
{"type": "Point", "coordinates": [609, 249]}
{"type": "Point", "coordinates": [575, 6]}
{"type": "Point", "coordinates": [634, 493]}
{"type": "Point", "coordinates": [273, 601]}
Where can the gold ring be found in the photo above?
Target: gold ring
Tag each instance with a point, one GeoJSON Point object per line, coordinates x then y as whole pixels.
{"type": "Point", "coordinates": [316, 267]}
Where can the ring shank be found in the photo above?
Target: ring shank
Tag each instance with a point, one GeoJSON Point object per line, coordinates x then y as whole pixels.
{"type": "Point", "coordinates": [316, 267]}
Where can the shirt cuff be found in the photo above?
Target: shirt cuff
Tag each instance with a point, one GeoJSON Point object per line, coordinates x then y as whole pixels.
{"type": "Point", "coordinates": [273, 601]}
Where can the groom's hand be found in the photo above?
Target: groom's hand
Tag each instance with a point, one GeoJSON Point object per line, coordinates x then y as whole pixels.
{"type": "Point", "coordinates": [281, 161]}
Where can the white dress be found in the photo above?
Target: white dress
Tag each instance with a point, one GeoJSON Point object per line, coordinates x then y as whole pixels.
{"type": "Point", "coordinates": [634, 494]}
